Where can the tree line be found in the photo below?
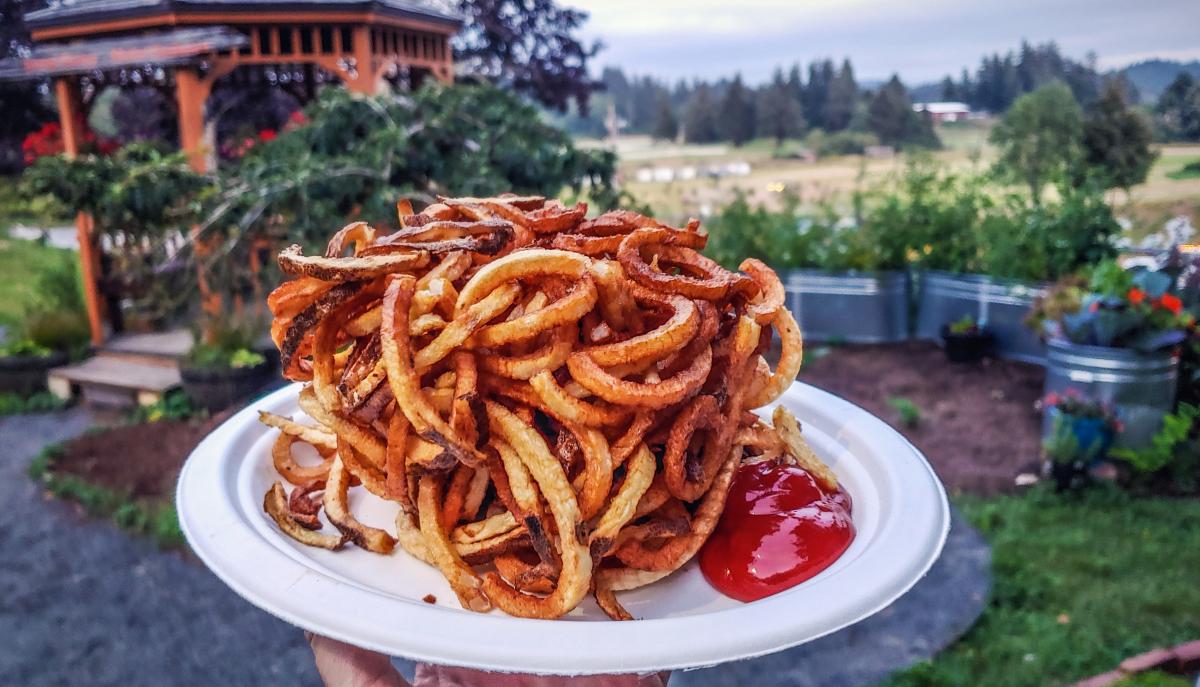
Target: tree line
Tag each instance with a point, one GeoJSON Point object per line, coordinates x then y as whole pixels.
{"type": "Point", "coordinates": [827, 96]}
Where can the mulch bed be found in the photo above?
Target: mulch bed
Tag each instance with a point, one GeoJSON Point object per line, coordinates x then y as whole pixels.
{"type": "Point", "coordinates": [142, 459]}
{"type": "Point", "coordinates": [979, 427]}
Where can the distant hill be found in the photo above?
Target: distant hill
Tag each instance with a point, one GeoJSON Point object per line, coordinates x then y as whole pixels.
{"type": "Point", "coordinates": [1152, 77]}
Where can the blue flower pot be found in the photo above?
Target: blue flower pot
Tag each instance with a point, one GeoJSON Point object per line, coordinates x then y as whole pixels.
{"type": "Point", "coordinates": [1087, 431]}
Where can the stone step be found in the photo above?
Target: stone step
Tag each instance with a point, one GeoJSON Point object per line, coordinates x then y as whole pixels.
{"type": "Point", "coordinates": [169, 345]}
{"type": "Point", "coordinates": [114, 381]}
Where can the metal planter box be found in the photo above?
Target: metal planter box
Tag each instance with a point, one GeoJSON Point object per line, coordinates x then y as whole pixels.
{"type": "Point", "coordinates": [1000, 304]}
{"type": "Point", "coordinates": [848, 306]}
{"type": "Point", "coordinates": [1140, 386]}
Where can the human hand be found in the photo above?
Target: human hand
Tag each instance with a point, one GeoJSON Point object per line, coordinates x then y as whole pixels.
{"type": "Point", "coordinates": [343, 665]}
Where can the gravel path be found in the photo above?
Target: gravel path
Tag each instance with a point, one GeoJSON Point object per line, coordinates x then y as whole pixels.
{"type": "Point", "coordinates": [85, 604]}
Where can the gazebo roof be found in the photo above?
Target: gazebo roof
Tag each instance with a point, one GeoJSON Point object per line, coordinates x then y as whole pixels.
{"type": "Point", "coordinates": [88, 11]}
{"type": "Point", "coordinates": [174, 46]}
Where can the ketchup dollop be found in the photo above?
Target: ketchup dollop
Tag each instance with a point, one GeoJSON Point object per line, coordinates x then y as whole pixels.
{"type": "Point", "coordinates": [779, 528]}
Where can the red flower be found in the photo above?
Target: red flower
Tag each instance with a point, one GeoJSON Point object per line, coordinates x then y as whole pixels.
{"type": "Point", "coordinates": [1095, 306]}
{"type": "Point", "coordinates": [1170, 302]}
{"type": "Point", "coordinates": [267, 135]}
{"type": "Point", "coordinates": [1052, 399]}
{"type": "Point", "coordinates": [1136, 296]}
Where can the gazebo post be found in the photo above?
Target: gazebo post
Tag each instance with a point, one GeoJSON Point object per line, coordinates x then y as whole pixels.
{"type": "Point", "coordinates": [70, 118]}
{"type": "Point", "coordinates": [191, 92]}
{"type": "Point", "coordinates": [364, 82]}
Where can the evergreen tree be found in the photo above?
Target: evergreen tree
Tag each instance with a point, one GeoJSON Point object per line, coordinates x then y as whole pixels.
{"type": "Point", "coordinates": [735, 118]}
{"type": "Point", "coordinates": [891, 118]}
{"type": "Point", "coordinates": [665, 125]}
{"type": "Point", "coordinates": [1116, 139]}
{"type": "Point", "coordinates": [779, 113]}
{"type": "Point", "coordinates": [795, 85]}
{"type": "Point", "coordinates": [840, 101]}
{"type": "Point", "coordinates": [950, 90]}
{"type": "Point", "coordinates": [816, 92]}
{"type": "Point", "coordinates": [680, 94]}
{"type": "Point", "coordinates": [1179, 109]}
{"type": "Point", "coordinates": [1039, 137]}
{"type": "Point", "coordinates": [617, 87]}
{"type": "Point", "coordinates": [700, 118]}
{"type": "Point", "coordinates": [643, 104]}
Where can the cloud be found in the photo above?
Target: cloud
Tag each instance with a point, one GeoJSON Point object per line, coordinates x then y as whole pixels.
{"type": "Point", "coordinates": [921, 41]}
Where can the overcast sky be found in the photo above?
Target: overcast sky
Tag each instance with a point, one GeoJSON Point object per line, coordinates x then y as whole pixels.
{"type": "Point", "coordinates": [922, 40]}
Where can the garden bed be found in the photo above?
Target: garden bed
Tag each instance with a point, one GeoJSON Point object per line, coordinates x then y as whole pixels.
{"type": "Point", "coordinates": [977, 423]}
{"type": "Point", "coordinates": [126, 473]}
{"type": "Point", "coordinates": [143, 460]}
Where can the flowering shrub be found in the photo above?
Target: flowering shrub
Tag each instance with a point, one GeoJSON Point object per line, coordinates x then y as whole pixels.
{"type": "Point", "coordinates": [1128, 309]}
{"type": "Point", "coordinates": [48, 140]}
{"type": "Point", "coordinates": [1073, 404]}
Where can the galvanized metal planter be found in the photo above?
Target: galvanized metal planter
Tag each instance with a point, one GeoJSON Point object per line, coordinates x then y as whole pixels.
{"type": "Point", "coordinates": [1140, 386]}
{"type": "Point", "coordinates": [847, 306]}
{"type": "Point", "coordinates": [999, 304]}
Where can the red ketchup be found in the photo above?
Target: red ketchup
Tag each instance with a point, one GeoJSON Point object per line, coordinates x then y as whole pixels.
{"type": "Point", "coordinates": [779, 528]}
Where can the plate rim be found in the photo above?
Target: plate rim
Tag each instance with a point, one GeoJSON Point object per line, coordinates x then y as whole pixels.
{"type": "Point", "coordinates": [639, 637]}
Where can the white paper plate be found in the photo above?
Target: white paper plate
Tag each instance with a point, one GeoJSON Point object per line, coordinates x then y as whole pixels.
{"type": "Point", "coordinates": [373, 601]}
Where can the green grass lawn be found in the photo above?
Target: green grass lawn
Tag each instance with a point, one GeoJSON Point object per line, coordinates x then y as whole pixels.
{"type": "Point", "coordinates": [1081, 582]}
{"type": "Point", "coordinates": [21, 265]}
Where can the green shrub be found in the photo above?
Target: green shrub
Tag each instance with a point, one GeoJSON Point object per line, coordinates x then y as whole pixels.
{"type": "Point", "coordinates": [59, 330]}
{"type": "Point", "coordinates": [1174, 450]}
{"type": "Point", "coordinates": [173, 406]}
{"type": "Point", "coordinates": [40, 402]}
{"type": "Point", "coordinates": [24, 348]}
{"type": "Point", "coordinates": [844, 142]}
{"type": "Point", "coordinates": [909, 412]}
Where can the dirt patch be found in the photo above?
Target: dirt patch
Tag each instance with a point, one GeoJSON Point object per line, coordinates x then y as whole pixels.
{"type": "Point", "coordinates": [143, 459]}
{"type": "Point", "coordinates": [978, 424]}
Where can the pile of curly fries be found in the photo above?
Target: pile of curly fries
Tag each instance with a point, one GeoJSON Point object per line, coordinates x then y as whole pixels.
{"type": "Point", "coordinates": [557, 404]}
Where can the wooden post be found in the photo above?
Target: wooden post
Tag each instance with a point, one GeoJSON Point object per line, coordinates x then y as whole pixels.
{"type": "Point", "coordinates": [70, 118]}
{"type": "Point", "coordinates": [190, 93]}
{"type": "Point", "coordinates": [365, 82]}
{"type": "Point", "coordinates": [446, 72]}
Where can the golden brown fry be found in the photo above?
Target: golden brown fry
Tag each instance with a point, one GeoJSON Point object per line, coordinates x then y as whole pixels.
{"type": "Point", "coordinates": [348, 269]}
{"type": "Point", "coordinates": [463, 581]}
{"type": "Point", "coordinates": [289, 469]}
{"type": "Point", "coordinates": [789, 361]}
{"type": "Point", "coordinates": [788, 429]}
{"type": "Point", "coordinates": [338, 512]}
{"type": "Point", "coordinates": [317, 436]}
{"type": "Point", "coordinates": [574, 578]}
{"type": "Point", "coordinates": [275, 503]}
{"type": "Point", "coordinates": [621, 509]}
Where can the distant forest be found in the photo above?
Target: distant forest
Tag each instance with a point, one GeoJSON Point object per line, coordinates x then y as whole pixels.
{"type": "Point", "coordinates": [827, 96]}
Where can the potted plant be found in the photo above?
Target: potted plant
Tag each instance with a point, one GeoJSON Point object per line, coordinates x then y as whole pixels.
{"type": "Point", "coordinates": [1121, 346]}
{"type": "Point", "coordinates": [998, 261]}
{"type": "Point", "coordinates": [52, 334]}
{"type": "Point", "coordinates": [24, 364]}
{"type": "Point", "coordinates": [223, 367]}
{"type": "Point", "coordinates": [966, 341]}
{"type": "Point", "coordinates": [1082, 433]}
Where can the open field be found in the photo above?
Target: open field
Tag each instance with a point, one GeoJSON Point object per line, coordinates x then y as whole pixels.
{"type": "Point", "coordinates": [835, 178]}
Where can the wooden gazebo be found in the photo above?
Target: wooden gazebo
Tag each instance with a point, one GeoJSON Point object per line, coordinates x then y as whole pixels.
{"type": "Point", "coordinates": [190, 44]}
